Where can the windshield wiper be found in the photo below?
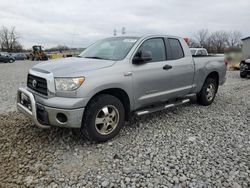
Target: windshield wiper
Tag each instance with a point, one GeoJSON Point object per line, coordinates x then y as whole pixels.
{"type": "Point", "coordinates": [94, 57]}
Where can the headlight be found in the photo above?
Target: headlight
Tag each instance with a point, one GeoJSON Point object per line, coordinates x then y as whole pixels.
{"type": "Point", "coordinates": [68, 84]}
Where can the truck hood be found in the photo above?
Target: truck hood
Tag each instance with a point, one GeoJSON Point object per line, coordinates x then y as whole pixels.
{"type": "Point", "coordinates": [73, 66]}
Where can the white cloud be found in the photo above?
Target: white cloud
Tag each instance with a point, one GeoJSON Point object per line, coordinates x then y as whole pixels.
{"type": "Point", "coordinates": [80, 22]}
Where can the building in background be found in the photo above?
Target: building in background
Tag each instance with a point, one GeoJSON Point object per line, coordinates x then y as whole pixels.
{"type": "Point", "coordinates": [246, 48]}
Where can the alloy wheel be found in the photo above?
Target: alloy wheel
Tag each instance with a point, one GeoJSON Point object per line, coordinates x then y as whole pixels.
{"type": "Point", "coordinates": [107, 120]}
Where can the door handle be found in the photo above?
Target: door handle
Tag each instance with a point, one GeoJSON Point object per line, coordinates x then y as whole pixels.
{"type": "Point", "coordinates": [167, 67]}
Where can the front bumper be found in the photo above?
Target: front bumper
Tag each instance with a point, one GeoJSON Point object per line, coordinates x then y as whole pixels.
{"type": "Point", "coordinates": [245, 71]}
{"type": "Point", "coordinates": [45, 116]}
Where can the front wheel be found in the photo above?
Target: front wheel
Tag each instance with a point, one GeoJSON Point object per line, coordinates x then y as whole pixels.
{"type": "Point", "coordinates": [11, 61]}
{"type": "Point", "coordinates": [103, 118]}
{"type": "Point", "coordinates": [208, 92]}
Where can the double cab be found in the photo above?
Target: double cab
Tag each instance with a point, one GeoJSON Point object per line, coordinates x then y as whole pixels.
{"type": "Point", "coordinates": [98, 90]}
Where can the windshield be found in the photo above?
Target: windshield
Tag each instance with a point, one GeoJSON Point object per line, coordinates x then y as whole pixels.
{"type": "Point", "coordinates": [193, 52]}
{"type": "Point", "coordinates": [115, 48]}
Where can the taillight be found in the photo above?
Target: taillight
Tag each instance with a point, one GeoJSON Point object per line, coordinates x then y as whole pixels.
{"type": "Point", "coordinates": [225, 62]}
{"type": "Point", "coordinates": [186, 40]}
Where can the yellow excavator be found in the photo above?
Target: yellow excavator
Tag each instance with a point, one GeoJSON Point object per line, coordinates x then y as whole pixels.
{"type": "Point", "coordinates": [38, 54]}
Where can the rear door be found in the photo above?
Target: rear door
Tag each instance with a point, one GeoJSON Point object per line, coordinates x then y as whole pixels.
{"type": "Point", "coordinates": [180, 76]}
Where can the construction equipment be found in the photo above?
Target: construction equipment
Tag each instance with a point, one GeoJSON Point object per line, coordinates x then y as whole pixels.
{"type": "Point", "coordinates": [56, 55]}
{"type": "Point", "coordinates": [38, 53]}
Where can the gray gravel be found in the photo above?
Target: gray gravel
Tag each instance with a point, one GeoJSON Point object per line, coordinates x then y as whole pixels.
{"type": "Point", "coordinates": [191, 146]}
{"type": "Point", "coordinates": [12, 76]}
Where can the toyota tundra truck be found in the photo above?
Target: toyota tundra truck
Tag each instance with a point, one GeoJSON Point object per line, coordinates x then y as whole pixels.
{"type": "Point", "coordinates": [113, 78]}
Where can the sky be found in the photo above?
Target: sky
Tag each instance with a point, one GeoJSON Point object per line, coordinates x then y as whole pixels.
{"type": "Point", "coordinates": [78, 23]}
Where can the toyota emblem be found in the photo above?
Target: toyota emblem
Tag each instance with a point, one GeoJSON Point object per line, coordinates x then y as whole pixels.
{"type": "Point", "coordinates": [34, 83]}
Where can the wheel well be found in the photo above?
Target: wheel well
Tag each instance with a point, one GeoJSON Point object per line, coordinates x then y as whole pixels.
{"type": "Point", "coordinates": [214, 75]}
{"type": "Point", "coordinates": [121, 95]}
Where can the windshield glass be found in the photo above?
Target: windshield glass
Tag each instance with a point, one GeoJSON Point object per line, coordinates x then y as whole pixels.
{"type": "Point", "coordinates": [193, 52]}
{"type": "Point", "coordinates": [115, 48]}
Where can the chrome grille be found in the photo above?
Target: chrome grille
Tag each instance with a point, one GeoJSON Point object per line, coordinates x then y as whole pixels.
{"type": "Point", "coordinates": [37, 84]}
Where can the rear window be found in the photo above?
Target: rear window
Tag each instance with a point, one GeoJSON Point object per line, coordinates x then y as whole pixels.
{"type": "Point", "coordinates": [176, 49]}
{"type": "Point", "coordinates": [193, 52]}
{"type": "Point", "coordinates": [201, 52]}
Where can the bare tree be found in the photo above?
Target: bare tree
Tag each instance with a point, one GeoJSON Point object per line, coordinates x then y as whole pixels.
{"type": "Point", "coordinates": [234, 38]}
{"type": "Point", "coordinates": [201, 37]}
{"type": "Point", "coordinates": [193, 44]}
{"type": "Point", "coordinates": [17, 47]}
{"type": "Point", "coordinates": [218, 41]}
{"type": "Point", "coordinates": [58, 48]}
{"type": "Point", "coordinates": [9, 39]}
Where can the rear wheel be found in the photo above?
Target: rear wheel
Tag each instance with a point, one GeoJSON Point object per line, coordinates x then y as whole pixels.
{"type": "Point", "coordinates": [243, 75]}
{"type": "Point", "coordinates": [208, 92]}
{"type": "Point", "coordinates": [11, 61]}
{"type": "Point", "coordinates": [103, 118]}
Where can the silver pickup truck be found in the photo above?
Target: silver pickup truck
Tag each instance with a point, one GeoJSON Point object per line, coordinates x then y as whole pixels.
{"type": "Point", "coordinates": [115, 77]}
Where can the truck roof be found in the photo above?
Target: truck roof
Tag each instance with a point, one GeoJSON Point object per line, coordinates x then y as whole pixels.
{"type": "Point", "coordinates": [147, 36]}
{"type": "Point", "coordinates": [198, 49]}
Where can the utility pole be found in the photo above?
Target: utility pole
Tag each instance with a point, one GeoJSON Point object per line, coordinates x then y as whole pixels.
{"type": "Point", "coordinates": [123, 30]}
{"type": "Point", "coordinates": [115, 32]}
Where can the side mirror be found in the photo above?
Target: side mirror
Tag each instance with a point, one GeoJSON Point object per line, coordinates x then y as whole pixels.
{"type": "Point", "coordinates": [142, 57]}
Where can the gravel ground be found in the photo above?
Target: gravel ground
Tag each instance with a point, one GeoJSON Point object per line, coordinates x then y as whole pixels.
{"type": "Point", "coordinates": [12, 76]}
{"type": "Point", "coordinates": [190, 146]}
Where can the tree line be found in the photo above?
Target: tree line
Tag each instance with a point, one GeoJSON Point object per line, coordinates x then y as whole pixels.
{"type": "Point", "coordinates": [214, 42]}
{"type": "Point", "coordinates": [217, 41]}
{"type": "Point", "coordinates": [9, 42]}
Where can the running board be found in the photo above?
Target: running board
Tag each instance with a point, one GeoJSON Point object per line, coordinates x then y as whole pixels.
{"type": "Point", "coordinates": [159, 108]}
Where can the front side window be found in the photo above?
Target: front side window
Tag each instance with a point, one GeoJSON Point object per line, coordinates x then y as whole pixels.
{"type": "Point", "coordinates": [176, 49]}
{"type": "Point", "coordinates": [115, 48]}
{"type": "Point", "coordinates": [155, 47]}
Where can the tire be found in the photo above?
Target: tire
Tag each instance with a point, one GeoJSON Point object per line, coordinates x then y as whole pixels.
{"type": "Point", "coordinates": [11, 61]}
{"type": "Point", "coordinates": [208, 92]}
{"type": "Point", "coordinates": [103, 118]}
{"type": "Point", "coordinates": [243, 75]}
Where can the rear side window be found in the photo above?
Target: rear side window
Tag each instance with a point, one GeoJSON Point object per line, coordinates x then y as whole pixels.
{"type": "Point", "coordinates": [175, 49]}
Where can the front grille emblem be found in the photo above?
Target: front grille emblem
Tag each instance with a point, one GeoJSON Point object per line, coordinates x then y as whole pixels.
{"type": "Point", "coordinates": [34, 83]}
